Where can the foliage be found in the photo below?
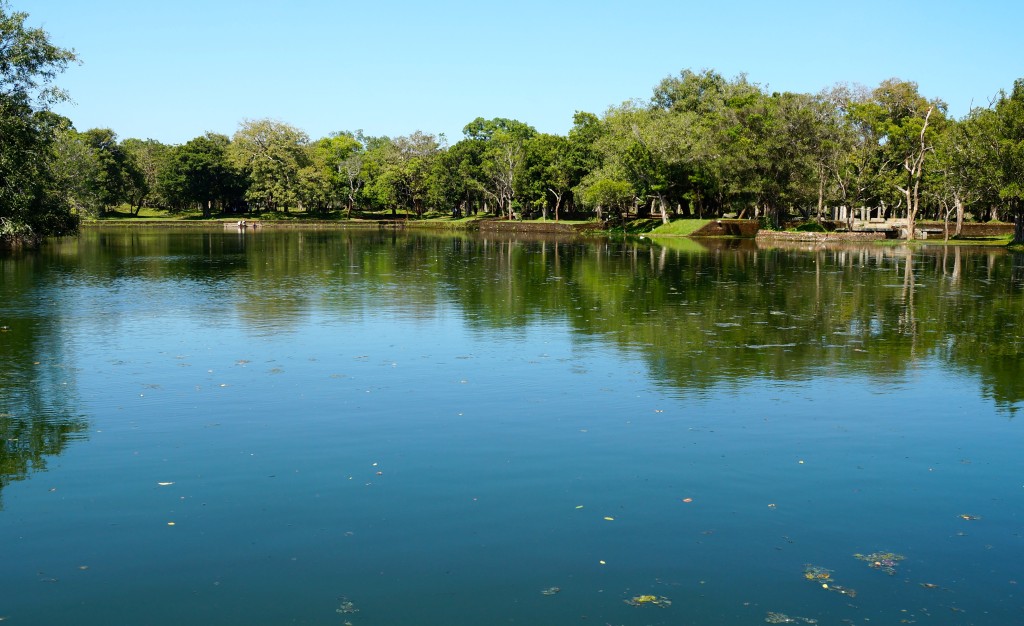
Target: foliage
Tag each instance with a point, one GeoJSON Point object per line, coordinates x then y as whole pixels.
{"type": "Point", "coordinates": [31, 203]}
{"type": "Point", "coordinates": [1009, 112]}
{"type": "Point", "coordinates": [149, 157]}
{"type": "Point", "coordinates": [28, 61]}
{"type": "Point", "coordinates": [271, 154]}
{"type": "Point", "coordinates": [201, 173]}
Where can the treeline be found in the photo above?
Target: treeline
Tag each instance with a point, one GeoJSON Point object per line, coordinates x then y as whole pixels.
{"type": "Point", "coordinates": [702, 146]}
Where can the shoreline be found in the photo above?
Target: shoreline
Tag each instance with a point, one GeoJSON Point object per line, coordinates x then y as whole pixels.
{"type": "Point", "coordinates": [984, 234]}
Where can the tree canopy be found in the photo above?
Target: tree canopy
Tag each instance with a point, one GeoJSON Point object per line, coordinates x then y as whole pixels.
{"type": "Point", "coordinates": [31, 204]}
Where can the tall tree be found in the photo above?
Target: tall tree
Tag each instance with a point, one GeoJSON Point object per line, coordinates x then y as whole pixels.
{"type": "Point", "coordinates": [1009, 110]}
{"type": "Point", "coordinates": [399, 171]}
{"type": "Point", "coordinates": [271, 153]}
{"type": "Point", "coordinates": [31, 206]}
{"type": "Point", "coordinates": [907, 125]}
{"type": "Point", "coordinates": [200, 173]}
{"type": "Point", "coordinates": [117, 178]}
{"type": "Point", "coordinates": [150, 157]}
{"type": "Point", "coordinates": [503, 153]}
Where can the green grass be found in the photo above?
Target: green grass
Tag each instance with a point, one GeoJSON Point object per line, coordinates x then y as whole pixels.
{"type": "Point", "coordinates": [125, 213]}
{"type": "Point", "coordinates": [680, 228]}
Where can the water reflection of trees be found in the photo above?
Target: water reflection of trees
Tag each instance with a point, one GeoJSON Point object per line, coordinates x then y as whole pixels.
{"type": "Point", "coordinates": [37, 383]}
{"type": "Point", "coordinates": [725, 315]}
{"type": "Point", "coordinates": [722, 313]}
{"type": "Point", "coordinates": [700, 314]}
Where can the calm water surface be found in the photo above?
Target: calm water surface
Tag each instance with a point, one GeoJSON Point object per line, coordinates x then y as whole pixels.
{"type": "Point", "coordinates": [378, 428]}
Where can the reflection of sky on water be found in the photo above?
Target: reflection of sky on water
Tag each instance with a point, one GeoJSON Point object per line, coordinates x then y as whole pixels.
{"type": "Point", "coordinates": [348, 428]}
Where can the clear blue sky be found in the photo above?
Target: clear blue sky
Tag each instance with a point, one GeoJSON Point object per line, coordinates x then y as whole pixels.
{"type": "Point", "coordinates": [174, 70]}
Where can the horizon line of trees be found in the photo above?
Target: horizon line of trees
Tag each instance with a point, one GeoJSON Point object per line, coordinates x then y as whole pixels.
{"type": "Point", "coordinates": [701, 146]}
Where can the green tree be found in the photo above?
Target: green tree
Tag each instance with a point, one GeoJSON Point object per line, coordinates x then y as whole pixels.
{"type": "Point", "coordinates": [399, 171]}
{"type": "Point", "coordinates": [608, 193]}
{"type": "Point", "coordinates": [906, 125]}
{"type": "Point", "coordinates": [965, 168]}
{"type": "Point", "coordinates": [545, 178]}
{"type": "Point", "coordinates": [150, 157]}
{"type": "Point", "coordinates": [31, 205]}
{"type": "Point", "coordinates": [448, 186]}
{"type": "Point", "coordinates": [116, 177]}
{"type": "Point", "coordinates": [200, 173]}
{"type": "Point", "coordinates": [502, 143]}
{"type": "Point", "coordinates": [458, 180]}
{"type": "Point", "coordinates": [1009, 111]}
{"type": "Point", "coordinates": [859, 169]}
{"type": "Point", "coordinates": [271, 153]}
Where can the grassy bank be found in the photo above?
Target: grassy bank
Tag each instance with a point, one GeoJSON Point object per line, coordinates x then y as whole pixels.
{"type": "Point", "coordinates": [679, 228]}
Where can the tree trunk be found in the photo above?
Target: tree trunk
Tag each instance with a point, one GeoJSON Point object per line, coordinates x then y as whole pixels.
{"type": "Point", "coordinates": [914, 165]}
{"type": "Point", "coordinates": [959, 215]}
{"type": "Point", "coordinates": [821, 194]}
{"type": "Point", "coordinates": [945, 220]}
{"type": "Point", "coordinates": [1018, 226]}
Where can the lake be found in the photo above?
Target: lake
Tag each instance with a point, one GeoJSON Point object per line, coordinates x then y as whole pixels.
{"type": "Point", "coordinates": [388, 428]}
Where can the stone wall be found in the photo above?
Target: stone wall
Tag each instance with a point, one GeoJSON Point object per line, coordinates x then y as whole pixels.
{"type": "Point", "coordinates": [515, 226]}
{"type": "Point", "coordinates": [774, 235]}
{"type": "Point", "coordinates": [970, 229]}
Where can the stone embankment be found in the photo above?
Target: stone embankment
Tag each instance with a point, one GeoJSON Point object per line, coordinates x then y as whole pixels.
{"type": "Point", "coordinates": [776, 235]}
{"type": "Point", "coordinates": [515, 226]}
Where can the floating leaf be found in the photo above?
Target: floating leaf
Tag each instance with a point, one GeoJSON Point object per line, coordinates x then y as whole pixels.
{"type": "Point", "coordinates": [782, 618]}
{"type": "Point", "coordinates": [652, 600]}
{"type": "Point", "coordinates": [813, 572]}
{"type": "Point", "coordinates": [884, 561]}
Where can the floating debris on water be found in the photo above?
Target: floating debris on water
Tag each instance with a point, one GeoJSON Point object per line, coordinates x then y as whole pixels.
{"type": "Point", "coordinates": [813, 572]}
{"type": "Point", "coordinates": [651, 600]}
{"type": "Point", "coordinates": [884, 561]}
{"type": "Point", "coordinates": [844, 591]}
{"type": "Point", "coordinates": [782, 618]}
{"type": "Point", "coordinates": [346, 606]}
{"type": "Point", "coordinates": [550, 591]}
